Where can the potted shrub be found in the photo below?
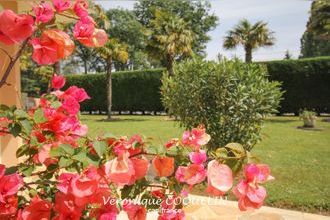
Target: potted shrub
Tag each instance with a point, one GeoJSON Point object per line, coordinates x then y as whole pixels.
{"type": "Point", "coordinates": [309, 118]}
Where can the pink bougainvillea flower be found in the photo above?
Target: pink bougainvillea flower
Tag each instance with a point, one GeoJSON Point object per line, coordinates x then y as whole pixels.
{"type": "Point", "coordinates": [84, 29]}
{"type": "Point", "coordinates": [2, 170]}
{"type": "Point", "coordinates": [135, 212]}
{"type": "Point", "coordinates": [9, 207]}
{"type": "Point", "coordinates": [43, 154]}
{"type": "Point", "coordinates": [15, 28]}
{"type": "Point", "coordinates": [219, 178]}
{"type": "Point", "coordinates": [171, 143]}
{"type": "Point", "coordinates": [5, 39]}
{"type": "Point", "coordinates": [164, 166]}
{"type": "Point", "coordinates": [258, 173]}
{"type": "Point", "coordinates": [140, 168]}
{"type": "Point", "coordinates": [193, 174]}
{"type": "Point", "coordinates": [250, 194]}
{"type": "Point", "coordinates": [81, 8]}
{"type": "Point", "coordinates": [103, 209]}
{"type": "Point", "coordinates": [172, 214]}
{"type": "Point", "coordinates": [71, 105]}
{"type": "Point", "coordinates": [4, 121]}
{"type": "Point", "coordinates": [61, 5]}
{"type": "Point", "coordinates": [78, 93]}
{"type": "Point", "coordinates": [79, 130]}
{"type": "Point", "coordinates": [108, 216]}
{"type": "Point", "coordinates": [52, 46]}
{"type": "Point", "coordinates": [196, 137]}
{"type": "Point", "coordinates": [9, 185]}
{"type": "Point", "coordinates": [43, 12]}
{"type": "Point", "coordinates": [83, 186]}
{"type": "Point", "coordinates": [86, 33]}
{"type": "Point", "coordinates": [64, 182]}
{"type": "Point", "coordinates": [66, 208]}
{"type": "Point", "coordinates": [58, 81]}
{"type": "Point", "coordinates": [135, 144]}
{"type": "Point", "coordinates": [120, 170]}
{"type": "Point", "coordinates": [198, 157]}
{"type": "Point", "coordinates": [38, 209]}
{"type": "Point", "coordinates": [99, 39]}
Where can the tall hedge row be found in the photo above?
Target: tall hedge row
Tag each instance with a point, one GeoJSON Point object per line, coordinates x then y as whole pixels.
{"type": "Point", "coordinates": [132, 90]}
{"type": "Point", "coordinates": [306, 83]}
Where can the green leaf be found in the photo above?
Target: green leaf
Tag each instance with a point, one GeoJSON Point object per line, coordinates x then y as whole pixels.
{"type": "Point", "coordinates": [39, 116]}
{"type": "Point", "coordinates": [26, 170]}
{"type": "Point", "coordinates": [22, 150]}
{"type": "Point", "coordinates": [4, 107]}
{"type": "Point", "coordinates": [56, 104]}
{"type": "Point", "coordinates": [236, 149]}
{"type": "Point", "coordinates": [26, 125]}
{"type": "Point", "coordinates": [52, 167]}
{"type": "Point", "coordinates": [100, 147]}
{"type": "Point", "coordinates": [221, 153]}
{"type": "Point", "coordinates": [65, 162]}
{"type": "Point", "coordinates": [15, 129]}
{"type": "Point", "coordinates": [93, 159]}
{"type": "Point", "coordinates": [21, 114]}
{"type": "Point", "coordinates": [160, 150]}
{"type": "Point", "coordinates": [67, 148]}
{"type": "Point", "coordinates": [55, 152]}
{"type": "Point", "coordinates": [11, 170]}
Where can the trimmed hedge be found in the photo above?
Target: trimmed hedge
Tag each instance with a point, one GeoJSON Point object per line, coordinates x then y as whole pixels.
{"type": "Point", "coordinates": [132, 90]}
{"type": "Point", "coordinates": [306, 83]}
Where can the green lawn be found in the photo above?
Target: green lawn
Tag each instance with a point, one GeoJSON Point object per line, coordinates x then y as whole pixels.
{"type": "Point", "coordinates": [300, 159]}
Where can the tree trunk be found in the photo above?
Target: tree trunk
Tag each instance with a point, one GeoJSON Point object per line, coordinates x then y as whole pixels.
{"type": "Point", "coordinates": [169, 65]}
{"type": "Point", "coordinates": [109, 85]}
{"type": "Point", "coordinates": [85, 67]}
{"type": "Point", "coordinates": [248, 54]}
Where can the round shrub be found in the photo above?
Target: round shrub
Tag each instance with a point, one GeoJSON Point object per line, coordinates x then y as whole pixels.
{"type": "Point", "coordinates": [230, 98]}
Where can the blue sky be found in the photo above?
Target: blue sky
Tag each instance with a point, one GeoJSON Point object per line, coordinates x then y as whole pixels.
{"type": "Point", "coordinates": [287, 18]}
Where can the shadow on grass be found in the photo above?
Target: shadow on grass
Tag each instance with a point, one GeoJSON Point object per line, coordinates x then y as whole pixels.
{"type": "Point", "coordinates": [275, 120]}
{"type": "Point", "coordinates": [120, 120]}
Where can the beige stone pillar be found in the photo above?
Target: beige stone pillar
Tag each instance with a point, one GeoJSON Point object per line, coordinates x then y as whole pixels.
{"type": "Point", "coordinates": [9, 94]}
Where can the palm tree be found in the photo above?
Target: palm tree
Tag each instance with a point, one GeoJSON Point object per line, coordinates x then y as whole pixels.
{"type": "Point", "coordinates": [169, 39]}
{"type": "Point", "coordinates": [112, 50]}
{"type": "Point", "coordinates": [250, 36]}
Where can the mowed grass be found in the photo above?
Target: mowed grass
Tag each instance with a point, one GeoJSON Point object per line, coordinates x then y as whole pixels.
{"type": "Point", "coordinates": [299, 159]}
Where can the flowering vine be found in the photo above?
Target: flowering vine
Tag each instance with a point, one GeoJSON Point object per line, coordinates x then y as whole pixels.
{"type": "Point", "coordinates": [48, 38]}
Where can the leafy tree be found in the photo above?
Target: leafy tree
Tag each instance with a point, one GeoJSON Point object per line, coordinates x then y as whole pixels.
{"type": "Point", "coordinates": [195, 13]}
{"type": "Point", "coordinates": [113, 50]}
{"type": "Point", "coordinates": [315, 41]}
{"type": "Point", "coordinates": [127, 29]}
{"type": "Point", "coordinates": [288, 55]}
{"type": "Point", "coordinates": [319, 22]}
{"type": "Point", "coordinates": [169, 38]}
{"type": "Point", "coordinates": [35, 78]}
{"type": "Point", "coordinates": [250, 36]}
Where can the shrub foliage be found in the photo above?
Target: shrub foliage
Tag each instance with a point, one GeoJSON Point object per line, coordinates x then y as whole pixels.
{"type": "Point", "coordinates": [132, 90]}
{"type": "Point", "coordinates": [306, 83]}
{"type": "Point", "coordinates": [230, 98]}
